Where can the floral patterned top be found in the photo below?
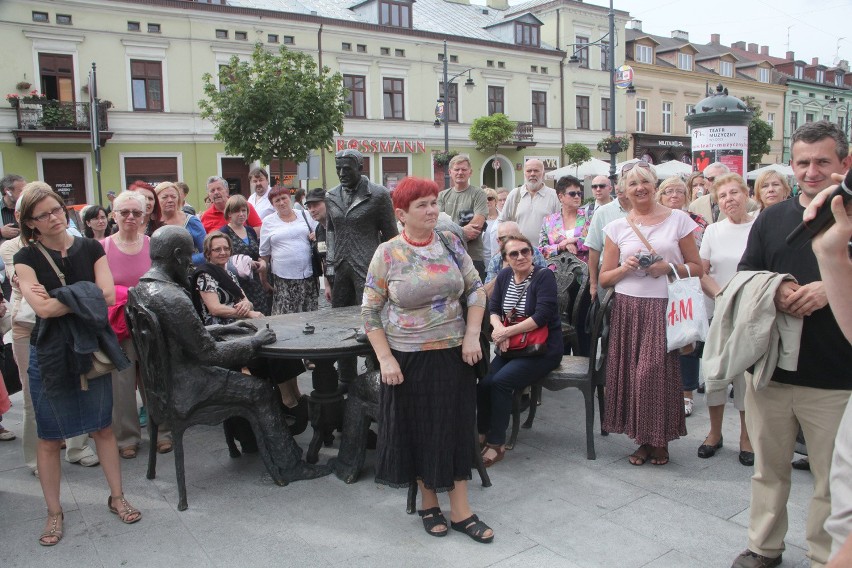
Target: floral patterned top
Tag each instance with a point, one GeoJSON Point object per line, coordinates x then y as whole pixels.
{"type": "Point", "coordinates": [552, 233]}
{"type": "Point", "coordinates": [421, 287]}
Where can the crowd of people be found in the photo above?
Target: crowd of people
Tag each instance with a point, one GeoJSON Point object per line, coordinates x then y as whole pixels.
{"type": "Point", "coordinates": [432, 270]}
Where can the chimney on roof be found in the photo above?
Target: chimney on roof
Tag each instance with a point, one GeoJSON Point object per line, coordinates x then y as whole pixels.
{"type": "Point", "coordinates": [739, 45]}
{"type": "Point", "coordinates": [498, 4]}
{"type": "Point", "coordinates": [715, 39]}
{"type": "Point", "coordinates": [764, 50]}
{"type": "Point", "coordinates": [752, 48]}
{"type": "Point", "coordinates": [791, 56]}
{"type": "Point", "coordinates": [680, 34]}
{"type": "Point", "coordinates": [635, 24]}
{"type": "Point", "coordinates": [843, 64]}
{"type": "Point", "coordinates": [815, 61]}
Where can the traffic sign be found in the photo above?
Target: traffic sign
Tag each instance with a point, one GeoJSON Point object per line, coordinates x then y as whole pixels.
{"type": "Point", "coordinates": [623, 76]}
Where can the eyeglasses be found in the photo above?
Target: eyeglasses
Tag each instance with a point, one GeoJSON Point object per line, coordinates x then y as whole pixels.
{"type": "Point", "coordinates": [491, 198]}
{"type": "Point", "coordinates": [600, 185]}
{"type": "Point", "coordinates": [574, 193]}
{"type": "Point", "coordinates": [640, 164]}
{"type": "Point", "coordinates": [674, 191]}
{"type": "Point", "coordinates": [526, 251]}
{"type": "Point", "coordinates": [56, 212]}
{"type": "Point", "coordinates": [711, 179]}
{"type": "Point", "coordinates": [503, 238]}
{"type": "Point", "coordinates": [135, 213]}
{"type": "Point", "coordinates": [217, 250]}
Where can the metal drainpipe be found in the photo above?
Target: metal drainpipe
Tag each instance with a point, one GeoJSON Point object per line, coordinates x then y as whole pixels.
{"type": "Point", "coordinates": [561, 89]}
{"type": "Point", "coordinates": [322, 150]}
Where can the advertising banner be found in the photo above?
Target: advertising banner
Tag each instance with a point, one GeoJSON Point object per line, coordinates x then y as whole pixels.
{"type": "Point", "coordinates": [725, 144]}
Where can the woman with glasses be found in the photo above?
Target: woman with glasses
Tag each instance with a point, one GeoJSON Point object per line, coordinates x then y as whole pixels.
{"type": "Point", "coordinates": [771, 188]}
{"type": "Point", "coordinates": [426, 351]}
{"type": "Point", "coordinates": [170, 199]}
{"type": "Point", "coordinates": [563, 231]}
{"type": "Point", "coordinates": [672, 193]}
{"type": "Point", "coordinates": [526, 294]}
{"type": "Point", "coordinates": [244, 241]}
{"type": "Point", "coordinates": [62, 407]}
{"type": "Point", "coordinates": [489, 235]}
{"type": "Point", "coordinates": [643, 382]}
{"type": "Point", "coordinates": [128, 257]}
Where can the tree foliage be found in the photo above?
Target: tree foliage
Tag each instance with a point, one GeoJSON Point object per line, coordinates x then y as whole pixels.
{"type": "Point", "coordinates": [759, 134]}
{"type": "Point", "coordinates": [576, 154]}
{"type": "Point", "coordinates": [488, 132]}
{"type": "Point", "coordinates": [274, 106]}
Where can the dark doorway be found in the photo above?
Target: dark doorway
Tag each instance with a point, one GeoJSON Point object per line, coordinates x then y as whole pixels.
{"type": "Point", "coordinates": [67, 177]}
{"type": "Point", "coordinates": [236, 171]}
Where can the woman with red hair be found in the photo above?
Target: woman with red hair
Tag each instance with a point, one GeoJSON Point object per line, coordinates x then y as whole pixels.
{"type": "Point", "coordinates": [426, 351]}
{"type": "Point", "coordinates": [153, 216]}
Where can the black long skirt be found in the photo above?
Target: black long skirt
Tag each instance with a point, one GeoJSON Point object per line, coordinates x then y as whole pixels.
{"type": "Point", "coordinates": [427, 422]}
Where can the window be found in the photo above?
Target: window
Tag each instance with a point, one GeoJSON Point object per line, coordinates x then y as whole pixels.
{"type": "Point", "coordinates": [146, 80]}
{"type": "Point", "coordinates": [582, 112]}
{"type": "Point", "coordinates": [495, 100]}
{"type": "Point", "coordinates": [241, 36]}
{"type": "Point", "coordinates": [399, 52]}
{"type": "Point", "coordinates": [770, 120]}
{"type": "Point", "coordinates": [501, 65]}
{"type": "Point", "coordinates": [384, 50]}
{"type": "Point", "coordinates": [288, 40]}
{"type": "Point", "coordinates": [153, 28]}
{"type": "Point", "coordinates": [221, 34]}
{"type": "Point", "coordinates": [798, 72]}
{"type": "Point", "coordinates": [41, 17]}
{"type": "Point", "coordinates": [56, 74]}
{"type": "Point", "coordinates": [820, 76]}
{"type": "Point", "coordinates": [454, 58]}
{"type": "Point", "coordinates": [225, 77]}
{"type": "Point", "coordinates": [544, 70]}
{"type": "Point", "coordinates": [362, 48]}
{"type": "Point", "coordinates": [489, 63]}
{"type": "Point", "coordinates": [641, 110]}
{"type": "Point", "coordinates": [667, 118]}
{"type": "Point", "coordinates": [150, 169]}
{"type": "Point", "coordinates": [794, 120]}
{"type": "Point", "coordinates": [763, 75]}
{"type": "Point", "coordinates": [451, 103]}
{"type": "Point", "coordinates": [346, 46]}
{"type": "Point", "coordinates": [838, 79]}
{"type": "Point", "coordinates": [605, 114]}
{"type": "Point", "coordinates": [644, 54]}
{"type": "Point", "coordinates": [684, 61]}
{"type": "Point", "coordinates": [396, 13]}
{"type": "Point", "coordinates": [134, 27]}
{"type": "Point", "coordinates": [526, 34]}
{"type": "Point", "coordinates": [826, 117]}
{"type": "Point", "coordinates": [64, 19]}
{"type": "Point", "coordinates": [272, 38]}
{"type": "Point", "coordinates": [582, 52]}
{"type": "Point", "coordinates": [605, 56]}
{"type": "Point", "coordinates": [539, 108]}
{"type": "Point", "coordinates": [809, 117]}
{"type": "Point", "coordinates": [533, 68]}
{"type": "Point", "coordinates": [726, 69]}
{"type": "Point", "coordinates": [689, 110]}
{"type": "Point", "coordinates": [357, 97]}
{"type": "Point", "coordinates": [393, 101]}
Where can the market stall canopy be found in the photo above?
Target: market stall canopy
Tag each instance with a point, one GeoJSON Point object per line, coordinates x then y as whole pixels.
{"type": "Point", "coordinates": [782, 169]}
{"type": "Point", "coordinates": [672, 168]}
{"type": "Point", "coordinates": [592, 167]}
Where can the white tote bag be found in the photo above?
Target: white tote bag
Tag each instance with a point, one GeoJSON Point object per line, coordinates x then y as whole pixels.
{"type": "Point", "coordinates": [686, 318]}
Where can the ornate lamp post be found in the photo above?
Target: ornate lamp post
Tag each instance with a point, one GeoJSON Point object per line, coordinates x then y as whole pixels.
{"type": "Point", "coordinates": [441, 114]}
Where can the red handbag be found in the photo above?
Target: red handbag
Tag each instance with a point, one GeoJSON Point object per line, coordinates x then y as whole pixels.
{"type": "Point", "coordinates": [528, 344]}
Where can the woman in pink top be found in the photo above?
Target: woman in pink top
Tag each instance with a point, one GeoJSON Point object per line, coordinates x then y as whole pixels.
{"type": "Point", "coordinates": [128, 257]}
{"type": "Point", "coordinates": [643, 386]}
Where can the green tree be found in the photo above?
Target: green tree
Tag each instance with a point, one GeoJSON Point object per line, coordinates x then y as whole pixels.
{"type": "Point", "coordinates": [759, 134]}
{"type": "Point", "coordinates": [488, 132]}
{"type": "Point", "coordinates": [576, 154]}
{"type": "Point", "coordinates": [275, 106]}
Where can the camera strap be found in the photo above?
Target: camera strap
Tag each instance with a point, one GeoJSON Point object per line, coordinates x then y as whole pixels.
{"type": "Point", "coordinates": [640, 235]}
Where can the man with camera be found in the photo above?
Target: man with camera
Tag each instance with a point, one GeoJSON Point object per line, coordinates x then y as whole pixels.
{"type": "Point", "coordinates": [813, 396]}
{"type": "Point", "coordinates": [467, 206]}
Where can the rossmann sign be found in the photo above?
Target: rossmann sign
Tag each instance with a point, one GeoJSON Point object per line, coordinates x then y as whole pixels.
{"type": "Point", "coordinates": [383, 146]}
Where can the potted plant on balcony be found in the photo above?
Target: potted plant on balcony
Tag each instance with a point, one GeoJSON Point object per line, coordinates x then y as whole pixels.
{"type": "Point", "coordinates": [34, 97]}
{"type": "Point", "coordinates": [614, 144]}
{"type": "Point", "coordinates": [58, 116]}
{"type": "Point", "coordinates": [443, 158]}
{"type": "Point", "coordinates": [23, 85]}
{"type": "Point", "coordinates": [13, 99]}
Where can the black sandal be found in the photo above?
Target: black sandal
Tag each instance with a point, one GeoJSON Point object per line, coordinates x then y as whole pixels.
{"type": "Point", "coordinates": [433, 518]}
{"type": "Point", "coordinates": [474, 528]}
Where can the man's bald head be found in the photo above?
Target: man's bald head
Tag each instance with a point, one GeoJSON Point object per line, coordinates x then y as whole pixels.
{"type": "Point", "coordinates": [167, 240]}
{"type": "Point", "coordinates": [507, 228]}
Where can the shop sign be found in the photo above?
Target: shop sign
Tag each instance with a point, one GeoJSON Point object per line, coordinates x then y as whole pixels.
{"type": "Point", "coordinates": [725, 144]}
{"type": "Point", "coordinates": [381, 145]}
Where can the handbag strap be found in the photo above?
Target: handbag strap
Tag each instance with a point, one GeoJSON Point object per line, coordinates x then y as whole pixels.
{"type": "Point", "coordinates": [676, 275]}
{"type": "Point", "coordinates": [49, 258]}
{"type": "Point", "coordinates": [309, 226]}
{"type": "Point", "coordinates": [641, 236]}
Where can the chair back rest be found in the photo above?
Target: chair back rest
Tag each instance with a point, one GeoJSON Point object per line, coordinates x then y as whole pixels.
{"type": "Point", "coordinates": [153, 354]}
{"type": "Point", "coordinates": [572, 283]}
{"type": "Point", "coordinates": [600, 335]}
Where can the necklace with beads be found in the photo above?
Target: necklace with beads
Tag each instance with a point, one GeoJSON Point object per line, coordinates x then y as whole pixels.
{"type": "Point", "coordinates": [129, 243]}
{"type": "Point", "coordinates": [416, 243]}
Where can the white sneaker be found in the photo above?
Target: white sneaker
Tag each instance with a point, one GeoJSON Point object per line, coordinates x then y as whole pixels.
{"type": "Point", "coordinates": [688, 405]}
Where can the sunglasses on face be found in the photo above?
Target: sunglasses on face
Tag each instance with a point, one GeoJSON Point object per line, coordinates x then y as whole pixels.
{"type": "Point", "coordinates": [492, 199]}
{"type": "Point", "coordinates": [640, 164]}
{"type": "Point", "coordinates": [135, 213]}
{"type": "Point", "coordinates": [574, 193]}
{"type": "Point", "coordinates": [711, 179]}
{"type": "Point", "coordinates": [599, 186]}
{"type": "Point", "coordinates": [526, 251]}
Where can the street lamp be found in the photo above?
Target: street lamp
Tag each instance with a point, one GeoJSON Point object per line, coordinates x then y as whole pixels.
{"type": "Point", "coordinates": [443, 104]}
{"type": "Point", "coordinates": [609, 47]}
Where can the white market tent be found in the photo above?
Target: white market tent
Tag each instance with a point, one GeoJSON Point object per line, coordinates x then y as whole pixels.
{"type": "Point", "coordinates": [672, 168]}
{"type": "Point", "coordinates": [592, 167]}
{"type": "Point", "coordinates": [782, 169]}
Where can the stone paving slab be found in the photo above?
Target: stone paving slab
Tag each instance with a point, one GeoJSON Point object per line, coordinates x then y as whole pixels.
{"type": "Point", "coordinates": [549, 506]}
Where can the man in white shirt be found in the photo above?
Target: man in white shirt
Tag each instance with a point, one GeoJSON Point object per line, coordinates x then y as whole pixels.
{"type": "Point", "coordinates": [528, 204]}
{"type": "Point", "coordinates": [259, 199]}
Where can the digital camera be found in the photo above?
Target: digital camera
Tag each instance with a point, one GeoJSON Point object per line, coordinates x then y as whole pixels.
{"type": "Point", "coordinates": [647, 259]}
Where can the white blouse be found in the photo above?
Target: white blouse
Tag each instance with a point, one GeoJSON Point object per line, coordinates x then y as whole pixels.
{"type": "Point", "coordinates": [286, 242]}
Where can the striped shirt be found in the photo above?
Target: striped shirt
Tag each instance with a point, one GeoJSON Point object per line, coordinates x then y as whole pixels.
{"type": "Point", "coordinates": [510, 300]}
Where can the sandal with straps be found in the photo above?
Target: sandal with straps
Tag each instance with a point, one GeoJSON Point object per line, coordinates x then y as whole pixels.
{"type": "Point", "coordinates": [500, 450]}
{"type": "Point", "coordinates": [126, 513]}
{"type": "Point", "coordinates": [474, 528]}
{"type": "Point", "coordinates": [55, 530]}
{"type": "Point", "coordinates": [432, 519]}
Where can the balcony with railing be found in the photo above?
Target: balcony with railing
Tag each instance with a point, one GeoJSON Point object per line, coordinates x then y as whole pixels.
{"type": "Point", "coordinates": [43, 118]}
{"type": "Point", "coordinates": [523, 136]}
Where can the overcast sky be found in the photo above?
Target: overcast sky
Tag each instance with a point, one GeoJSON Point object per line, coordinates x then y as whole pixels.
{"type": "Point", "coordinates": [815, 26]}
